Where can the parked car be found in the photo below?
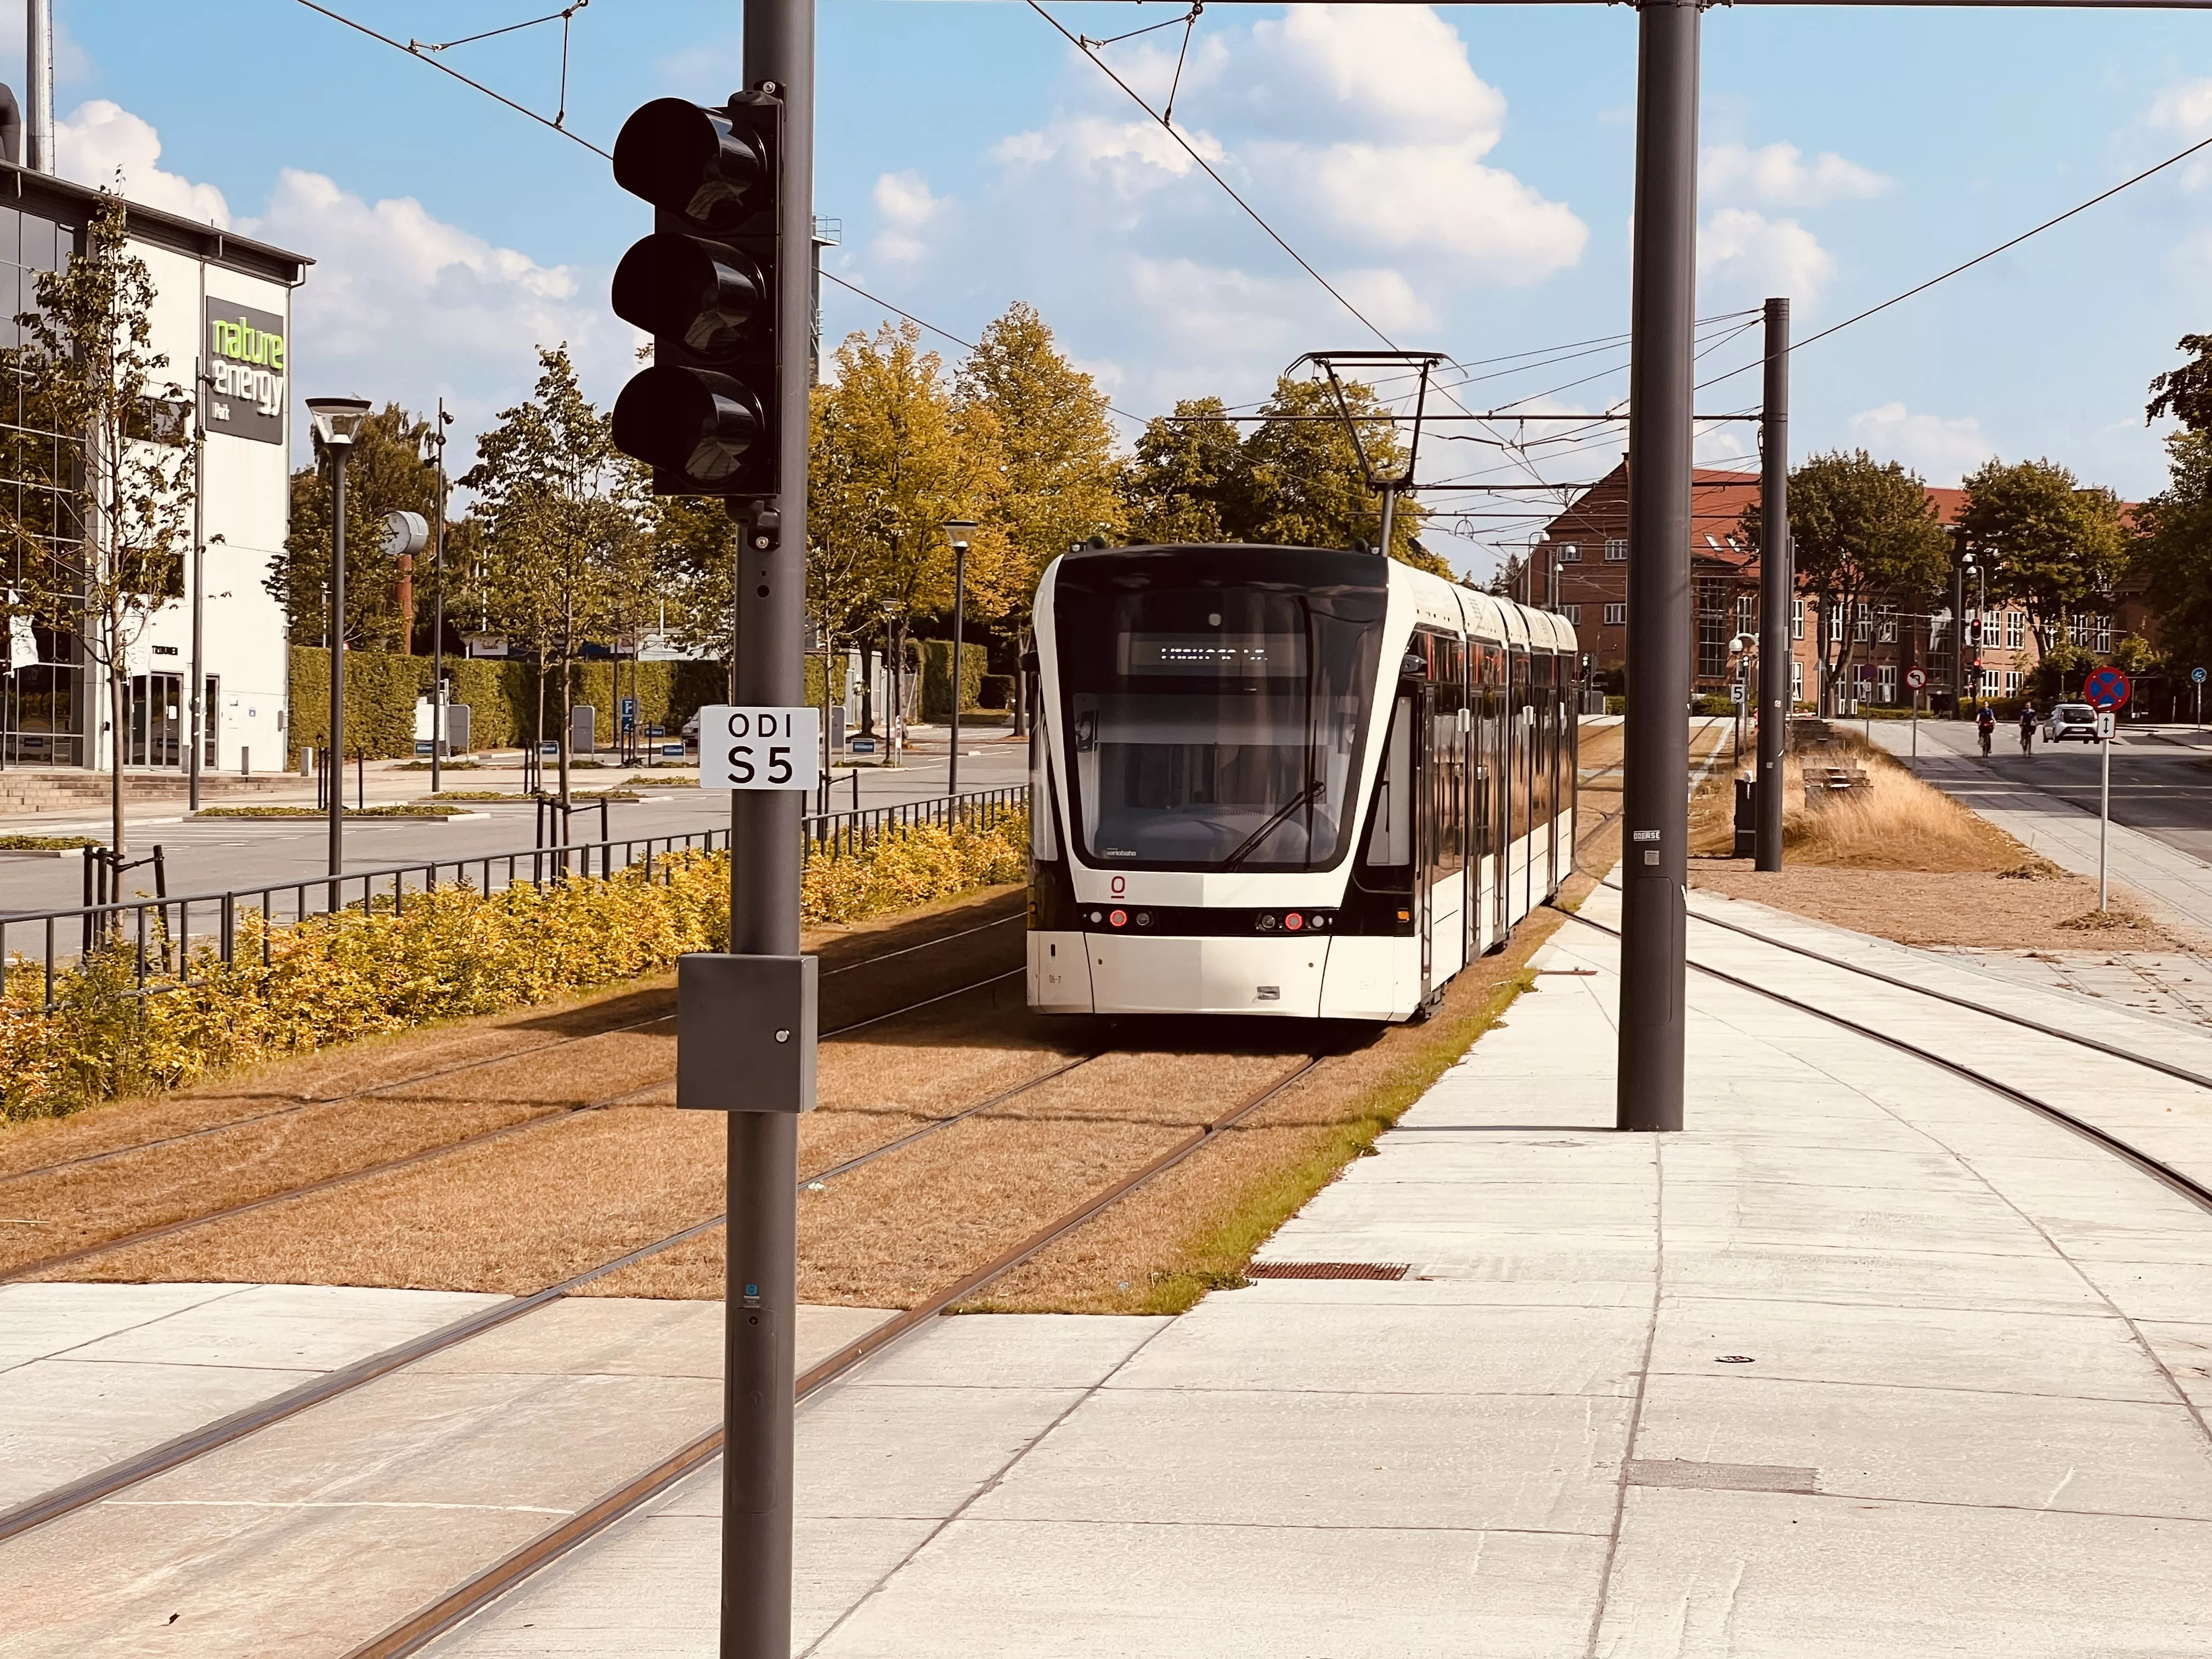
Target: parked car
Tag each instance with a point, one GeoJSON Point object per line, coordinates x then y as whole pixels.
{"type": "Point", "coordinates": [691, 732]}
{"type": "Point", "coordinates": [2074, 721]}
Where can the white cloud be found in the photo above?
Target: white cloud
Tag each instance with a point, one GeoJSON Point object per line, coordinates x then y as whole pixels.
{"type": "Point", "coordinates": [103, 141]}
{"type": "Point", "coordinates": [2185, 109]}
{"type": "Point", "coordinates": [1942, 450]}
{"type": "Point", "coordinates": [1780, 176]}
{"type": "Point", "coordinates": [1399, 74]}
{"type": "Point", "coordinates": [1386, 298]}
{"type": "Point", "coordinates": [399, 303]}
{"type": "Point", "coordinates": [1743, 255]}
{"type": "Point", "coordinates": [907, 209]}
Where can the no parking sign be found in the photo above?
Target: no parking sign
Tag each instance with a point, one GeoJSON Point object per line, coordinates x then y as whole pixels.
{"type": "Point", "coordinates": [2105, 689]}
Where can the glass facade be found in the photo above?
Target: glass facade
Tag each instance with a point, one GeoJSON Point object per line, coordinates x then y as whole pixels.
{"type": "Point", "coordinates": [42, 691]}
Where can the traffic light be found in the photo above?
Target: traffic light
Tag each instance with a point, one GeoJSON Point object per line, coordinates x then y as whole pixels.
{"type": "Point", "coordinates": [704, 417]}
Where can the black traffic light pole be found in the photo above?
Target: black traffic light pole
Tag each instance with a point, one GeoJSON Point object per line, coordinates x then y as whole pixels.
{"type": "Point", "coordinates": [1655, 816]}
{"type": "Point", "coordinates": [765, 856]}
{"type": "Point", "coordinates": [1778, 586]}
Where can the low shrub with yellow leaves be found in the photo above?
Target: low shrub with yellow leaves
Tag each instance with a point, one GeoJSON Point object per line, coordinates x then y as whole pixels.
{"type": "Point", "coordinates": [449, 953]}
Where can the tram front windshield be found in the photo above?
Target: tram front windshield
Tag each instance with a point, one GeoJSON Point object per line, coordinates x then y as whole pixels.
{"type": "Point", "coordinates": [1216, 728]}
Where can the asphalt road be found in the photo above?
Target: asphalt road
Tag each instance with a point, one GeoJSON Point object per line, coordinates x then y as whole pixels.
{"type": "Point", "coordinates": [2162, 788]}
{"type": "Point", "coordinates": [208, 855]}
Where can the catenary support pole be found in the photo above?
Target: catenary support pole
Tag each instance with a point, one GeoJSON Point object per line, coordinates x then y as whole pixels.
{"type": "Point", "coordinates": [1959, 710]}
{"type": "Point", "coordinates": [39, 118]}
{"type": "Point", "coordinates": [761, 1303]}
{"type": "Point", "coordinates": [438, 618]}
{"type": "Point", "coordinates": [1777, 586]}
{"type": "Point", "coordinates": [1655, 816]}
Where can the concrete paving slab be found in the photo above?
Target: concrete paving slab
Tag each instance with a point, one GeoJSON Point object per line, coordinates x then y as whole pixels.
{"type": "Point", "coordinates": [1035, 1351]}
{"type": "Point", "coordinates": [1767, 1271]}
{"type": "Point", "coordinates": [1772, 1576]}
{"type": "Point", "coordinates": [908, 1452]}
{"type": "Point", "coordinates": [316, 1327]}
{"type": "Point", "coordinates": [1543, 1463]}
{"type": "Point", "coordinates": [1058, 1590]}
{"type": "Point", "coordinates": [38, 1322]}
{"type": "Point", "coordinates": [1941, 1445]}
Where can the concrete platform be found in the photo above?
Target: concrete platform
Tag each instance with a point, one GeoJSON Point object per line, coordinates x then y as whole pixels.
{"type": "Point", "coordinates": [1864, 1362]}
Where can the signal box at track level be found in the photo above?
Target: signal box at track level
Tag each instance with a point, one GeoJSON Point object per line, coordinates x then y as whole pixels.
{"type": "Point", "coordinates": [705, 415]}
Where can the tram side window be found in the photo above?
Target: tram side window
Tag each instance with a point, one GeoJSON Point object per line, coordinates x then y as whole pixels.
{"type": "Point", "coordinates": [1524, 735]}
{"type": "Point", "coordinates": [1448, 757]}
{"type": "Point", "coordinates": [1391, 836]}
{"type": "Point", "coordinates": [1490, 753]}
{"type": "Point", "coordinates": [1547, 734]}
{"type": "Point", "coordinates": [1044, 841]}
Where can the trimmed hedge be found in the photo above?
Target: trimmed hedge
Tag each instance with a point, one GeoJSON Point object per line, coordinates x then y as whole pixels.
{"type": "Point", "coordinates": [937, 677]}
{"type": "Point", "coordinates": [499, 694]}
{"type": "Point", "coordinates": [452, 952]}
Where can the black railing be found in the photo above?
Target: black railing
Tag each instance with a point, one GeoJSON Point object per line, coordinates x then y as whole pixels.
{"type": "Point", "coordinates": [161, 931]}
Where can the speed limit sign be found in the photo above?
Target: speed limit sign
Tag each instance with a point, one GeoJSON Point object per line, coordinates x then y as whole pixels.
{"type": "Point", "coordinates": [759, 748]}
{"type": "Point", "coordinates": [1917, 678]}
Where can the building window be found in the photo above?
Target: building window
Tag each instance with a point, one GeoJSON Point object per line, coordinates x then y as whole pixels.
{"type": "Point", "coordinates": [1712, 629]}
{"type": "Point", "coordinates": [1616, 550]}
{"type": "Point", "coordinates": [1885, 630]}
{"type": "Point", "coordinates": [1573, 614]}
{"type": "Point", "coordinates": [2103, 634]}
{"type": "Point", "coordinates": [1796, 679]}
{"type": "Point", "coordinates": [1884, 679]}
{"type": "Point", "coordinates": [1570, 553]}
{"type": "Point", "coordinates": [1796, 619]}
{"type": "Point", "coordinates": [1863, 624]}
{"type": "Point", "coordinates": [1616, 616]}
{"type": "Point", "coordinates": [2012, 682]}
{"type": "Point", "coordinates": [1746, 614]}
{"type": "Point", "coordinates": [2015, 630]}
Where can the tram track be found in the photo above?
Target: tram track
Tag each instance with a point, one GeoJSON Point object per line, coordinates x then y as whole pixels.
{"type": "Point", "coordinates": [445, 1149]}
{"type": "Point", "coordinates": [412, 1634]}
{"type": "Point", "coordinates": [438, 1074]}
{"type": "Point", "coordinates": [2178, 1181]}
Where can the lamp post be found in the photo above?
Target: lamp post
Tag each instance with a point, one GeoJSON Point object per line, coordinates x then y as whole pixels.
{"type": "Point", "coordinates": [959, 530]}
{"type": "Point", "coordinates": [198, 688]}
{"type": "Point", "coordinates": [336, 420]}
{"type": "Point", "coordinates": [893, 727]}
{"type": "Point", "coordinates": [434, 440]}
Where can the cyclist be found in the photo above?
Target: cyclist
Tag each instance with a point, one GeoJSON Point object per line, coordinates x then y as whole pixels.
{"type": "Point", "coordinates": [1986, 723]}
{"type": "Point", "coordinates": [2027, 728]}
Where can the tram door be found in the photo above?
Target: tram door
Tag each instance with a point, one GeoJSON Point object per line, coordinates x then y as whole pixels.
{"type": "Point", "coordinates": [1497, 757]}
{"type": "Point", "coordinates": [1423, 697]}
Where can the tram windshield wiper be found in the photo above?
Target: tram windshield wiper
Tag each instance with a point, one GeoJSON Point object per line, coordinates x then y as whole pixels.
{"type": "Point", "coordinates": [1312, 792]}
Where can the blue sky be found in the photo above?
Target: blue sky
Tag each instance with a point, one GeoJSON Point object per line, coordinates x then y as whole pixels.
{"type": "Point", "coordinates": [1463, 173]}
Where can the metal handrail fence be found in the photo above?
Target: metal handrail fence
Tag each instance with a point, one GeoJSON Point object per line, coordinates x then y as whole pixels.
{"type": "Point", "coordinates": [161, 930]}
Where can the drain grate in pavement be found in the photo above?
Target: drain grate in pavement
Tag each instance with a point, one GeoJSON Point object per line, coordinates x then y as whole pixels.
{"type": "Point", "coordinates": [1327, 1270]}
{"type": "Point", "coordinates": [1720, 1477]}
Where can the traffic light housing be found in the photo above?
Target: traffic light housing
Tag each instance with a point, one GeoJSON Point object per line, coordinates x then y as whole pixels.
{"type": "Point", "coordinates": [705, 416]}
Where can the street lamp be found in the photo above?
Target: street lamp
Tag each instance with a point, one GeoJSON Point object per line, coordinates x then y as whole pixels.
{"type": "Point", "coordinates": [434, 447]}
{"type": "Point", "coordinates": [337, 421]}
{"type": "Point", "coordinates": [959, 530]}
{"type": "Point", "coordinates": [893, 727]}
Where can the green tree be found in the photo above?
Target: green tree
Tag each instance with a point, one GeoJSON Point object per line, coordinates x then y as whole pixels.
{"type": "Point", "coordinates": [2185, 393]}
{"type": "Point", "coordinates": [2053, 544]}
{"type": "Point", "coordinates": [563, 513]}
{"type": "Point", "coordinates": [1295, 481]}
{"type": "Point", "coordinates": [105, 551]}
{"type": "Point", "coordinates": [1864, 531]}
{"type": "Point", "coordinates": [1055, 457]}
{"type": "Point", "coordinates": [695, 552]}
{"type": "Point", "coordinates": [895, 455]}
{"type": "Point", "coordinates": [2173, 552]}
{"type": "Point", "coordinates": [385, 473]}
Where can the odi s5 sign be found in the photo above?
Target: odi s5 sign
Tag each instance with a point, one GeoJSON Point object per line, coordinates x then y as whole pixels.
{"type": "Point", "coordinates": [759, 748]}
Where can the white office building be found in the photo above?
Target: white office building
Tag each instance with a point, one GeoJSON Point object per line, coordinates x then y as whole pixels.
{"type": "Point", "coordinates": [223, 315]}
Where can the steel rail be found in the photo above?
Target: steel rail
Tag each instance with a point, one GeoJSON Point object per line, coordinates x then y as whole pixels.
{"type": "Point", "coordinates": [308, 1102]}
{"type": "Point", "coordinates": [237, 1425]}
{"type": "Point", "coordinates": [483, 1137]}
{"type": "Point", "coordinates": [412, 1634]}
{"type": "Point", "coordinates": [2190, 1188]}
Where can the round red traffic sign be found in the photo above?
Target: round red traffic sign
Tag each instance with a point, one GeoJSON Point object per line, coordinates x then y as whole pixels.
{"type": "Point", "coordinates": [1917, 678]}
{"type": "Point", "coordinates": [2105, 689]}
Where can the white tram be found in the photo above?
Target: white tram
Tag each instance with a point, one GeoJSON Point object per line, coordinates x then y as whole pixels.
{"type": "Point", "coordinates": [1286, 781]}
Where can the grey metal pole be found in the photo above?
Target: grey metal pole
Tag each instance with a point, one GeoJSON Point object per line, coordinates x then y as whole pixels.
{"type": "Point", "coordinates": [1777, 586]}
{"type": "Point", "coordinates": [1959, 636]}
{"type": "Point", "coordinates": [198, 688]}
{"type": "Point", "coordinates": [1389, 519]}
{"type": "Point", "coordinates": [2104, 808]}
{"type": "Point", "coordinates": [336, 768]}
{"type": "Point", "coordinates": [1655, 817]}
{"type": "Point", "coordinates": [761, 1305]}
{"type": "Point", "coordinates": [959, 604]}
{"type": "Point", "coordinates": [437, 619]}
